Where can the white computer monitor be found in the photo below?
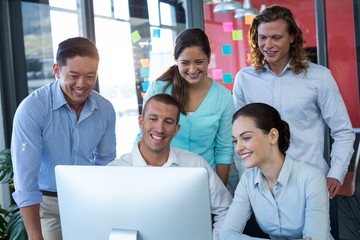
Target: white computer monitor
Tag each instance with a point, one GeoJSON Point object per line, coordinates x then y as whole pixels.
{"type": "Point", "coordinates": [143, 203]}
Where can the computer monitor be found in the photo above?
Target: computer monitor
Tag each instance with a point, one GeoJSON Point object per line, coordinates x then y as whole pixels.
{"type": "Point", "coordinates": [143, 203]}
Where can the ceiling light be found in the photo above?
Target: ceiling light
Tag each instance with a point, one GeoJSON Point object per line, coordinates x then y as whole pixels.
{"type": "Point", "coordinates": [227, 6]}
{"type": "Point", "coordinates": [247, 10]}
{"type": "Point", "coordinates": [262, 7]}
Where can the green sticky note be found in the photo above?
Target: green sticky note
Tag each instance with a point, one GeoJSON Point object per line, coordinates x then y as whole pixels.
{"type": "Point", "coordinates": [237, 35]}
{"type": "Point", "coordinates": [135, 36]}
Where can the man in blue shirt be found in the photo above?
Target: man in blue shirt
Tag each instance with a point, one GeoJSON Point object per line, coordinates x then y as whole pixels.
{"type": "Point", "coordinates": [63, 123]}
{"type": "Point", "coordinates": [304, 93]}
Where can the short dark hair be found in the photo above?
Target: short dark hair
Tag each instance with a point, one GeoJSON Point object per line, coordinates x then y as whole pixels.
{"type": "Point", "coordinates": [163, 98]}
{"type": "Point", "coordinates": [266, 117]}
{"type": "Point", "coordinates": [77, 46]}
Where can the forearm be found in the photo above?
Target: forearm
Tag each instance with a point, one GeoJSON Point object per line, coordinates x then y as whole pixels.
{"type": "Point", "coordinates": [31, 217]}
{"type": "Point", "coordinates": [223, 171]}
{"type": "Point", "coordinates": [341, 129]}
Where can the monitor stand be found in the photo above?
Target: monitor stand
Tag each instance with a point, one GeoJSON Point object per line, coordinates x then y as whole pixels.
{"type": "Point", "coordinates": [123, 234]}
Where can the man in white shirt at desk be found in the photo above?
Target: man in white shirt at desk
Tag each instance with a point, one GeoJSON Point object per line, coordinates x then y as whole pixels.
{"type": "Point", "coordinates": [160, 123]}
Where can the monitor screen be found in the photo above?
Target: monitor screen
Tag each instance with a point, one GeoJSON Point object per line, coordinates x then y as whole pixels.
{"type": "Point", "coordinates": [151, 203]}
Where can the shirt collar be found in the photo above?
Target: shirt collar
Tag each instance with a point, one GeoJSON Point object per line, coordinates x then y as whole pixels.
{"type": "Point", "coordinates": [286, 68]}
{"type": "Point", "coordinates": [138, 160]}
{"type": "Point", "coordinates": [259, 178]}
{"type": "Point", "coordinates": [59, 98]}
{"type": "Point", "coordinates": [284, 175]}
{"type": "Point", "coordinates": [285, 172]}
{"type": "Point", "coordinates": [172, 160]}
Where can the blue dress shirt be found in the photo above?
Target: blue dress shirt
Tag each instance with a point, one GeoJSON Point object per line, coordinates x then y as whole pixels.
{"type": "Point", "coordinates": [46, 133]}
{"type": "Point", "coordinates": [207, 131]}
{"type": "Point", "coordinates": [298, 209]}
{"type": "Point", "coordinates": [308, 102]}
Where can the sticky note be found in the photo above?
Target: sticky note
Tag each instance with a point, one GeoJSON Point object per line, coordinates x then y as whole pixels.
{"type": "Point", "coordinates": [217, 74]}
{"type": "Point", "coordinates": [156, 33]}
{"type": "Point", "coordinates": [226, 49]}
{"type": "Point", "coordinates": [227, 78]}
{"type": "Point", "coordinates": [144, 85]}
{"type": "Point", "coordinates": [249, 19]}
{"type": "Point", "coordinates": [135, 36]}
{"type": "Point", "coordinates": [144, 72]}
{"type": "Point", "coordinates": [228, 26]}
{"type": "Point", "coordinates": [237, 35]}
{"type": "Point", "coordinates": [144, 62]}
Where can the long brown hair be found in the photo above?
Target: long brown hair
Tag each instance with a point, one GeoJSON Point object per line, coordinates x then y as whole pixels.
{"type": "Point", "coordinates": [192, 37]}
{"type": "Point", "coordinates": [298, 56]}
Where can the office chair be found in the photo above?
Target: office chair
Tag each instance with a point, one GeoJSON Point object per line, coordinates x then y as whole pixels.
{"type": "Point", "coordinates": [348, 202]}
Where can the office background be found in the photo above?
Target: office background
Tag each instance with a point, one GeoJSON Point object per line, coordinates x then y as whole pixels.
{"type": "Point", "coordinates": [135, 40]}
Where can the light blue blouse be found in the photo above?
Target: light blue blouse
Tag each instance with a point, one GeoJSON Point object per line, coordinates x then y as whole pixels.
{"type": "Point", "coordinates": [207, 131]}
{"type": "Point", "coordinates": [298, 209]}
{"type": "Point", "coordinates": [47, 133]}
{"type": "Point", "coordinates": [309, 102]}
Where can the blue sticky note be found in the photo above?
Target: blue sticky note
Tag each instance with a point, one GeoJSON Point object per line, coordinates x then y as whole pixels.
{"type": "Point", "coordinates": [227, 78]}
{"type": "Point", "coordinates": [226, 49]}
{"type": "Point", "coordinates": [156, 33]}
{"type": "Point", "coordinates": [144, 72]}
{"type": "Point", "coordinates": [144, 85]}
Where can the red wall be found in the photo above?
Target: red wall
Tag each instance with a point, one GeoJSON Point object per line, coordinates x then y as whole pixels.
{"type": "Point", "coordinates": [342, 53]}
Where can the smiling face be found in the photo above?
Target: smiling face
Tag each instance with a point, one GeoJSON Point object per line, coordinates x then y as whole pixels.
{"type": "Point", "coordinates": [252, 145]}
{"type": "Point", "coordinates": [158, 126]}
{"type": "Point", "coordinates": [77, 79]}
{"type": "Point", "coordinates": [274, 43]}
{"type": "Point", "coordinates": [193, 65]}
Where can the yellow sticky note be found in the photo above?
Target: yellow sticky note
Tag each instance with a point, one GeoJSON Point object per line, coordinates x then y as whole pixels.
{"type": "Point", "coordinates": [249, 19]}
{"type": "Point", "coordinates": [237, 35]}
{"type": "Point", "coordinates": [144, 62]}
{"type": "Point", "coordinates": [135, 36]}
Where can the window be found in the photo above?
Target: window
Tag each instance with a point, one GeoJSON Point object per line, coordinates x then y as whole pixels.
{"type": "Point", "coordinates": [135, 41]}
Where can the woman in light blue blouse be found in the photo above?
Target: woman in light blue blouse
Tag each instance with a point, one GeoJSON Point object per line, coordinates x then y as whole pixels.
{"type": "Point", "coordinates": [206, 106]}
{"type": "Point", "coordinates": [289, 198]}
